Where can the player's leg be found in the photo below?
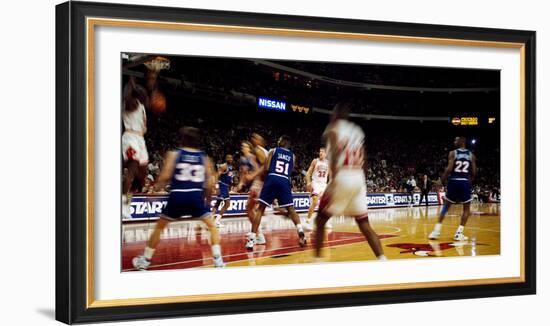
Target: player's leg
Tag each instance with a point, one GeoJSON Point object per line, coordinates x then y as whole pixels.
{"type": "Point", "coordinates": [311, 210]}
{"type": "Point", "coordinates": [357, 207]}
{"type": "Point", "coordinates": [216, 206]}
{"type": "Point", "coordinates": [214, 240]}
{"type": "Point", "coordinates": [250, 207]}
{"type": "Point", "coordinates": [130, 174]}
{"type": "Point", "coordinates": [251, 239]}
{"type": "Point", "coordinates": [143, 261]}
{"type": "Point", "coordinates": [286, 200]}
{"type": "Point", "coordinates": [132, 168]}
{"type": "Point", "coordinates": [459, 234]}
{"type": "Point", "coordinates": [320, 221]}
{"type": "Point", "coordinates": [436, 232]}
{"type": "Point", "coordinates": [226, 203]}
{"type": "Point", "coordinates": [296, 220]}
{"type": "Point", "coordinates": [370, 235]}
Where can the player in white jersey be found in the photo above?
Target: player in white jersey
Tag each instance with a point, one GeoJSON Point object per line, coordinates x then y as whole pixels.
{"type": "Point", "coordinates": [346, 193]}
{"type": "Point", "coordinates": [317, 178]}
{"type": "Point", "coordinates": [260, 153]}
{"type": "Point", "coordinates": [134, 151]}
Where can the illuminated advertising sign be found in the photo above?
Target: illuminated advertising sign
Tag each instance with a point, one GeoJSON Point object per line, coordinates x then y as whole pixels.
{"type": "Point", "coordinates": [299, 108]}
{"type": "Point", "coordinates": [465, 121]}
{"type": "Point", "coordinates": [149, 207]}
{"type": "Point", "coordinates": [270, 104]}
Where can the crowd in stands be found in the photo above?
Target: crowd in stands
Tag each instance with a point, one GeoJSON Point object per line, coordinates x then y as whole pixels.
{"type": "Point", "coordinates": [393, 156]}
{"type": "Point", "coordinates": [392, 159]}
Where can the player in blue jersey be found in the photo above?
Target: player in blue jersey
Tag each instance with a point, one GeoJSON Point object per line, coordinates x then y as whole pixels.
{"type": "Point", "coordinates": [277, 185]}
{"type": "Point", "coordinates": [190, 173]}
{"type": "Point", "coordinates": [225, 179]}
{"type": "Point", "coordinates": [461, 170]}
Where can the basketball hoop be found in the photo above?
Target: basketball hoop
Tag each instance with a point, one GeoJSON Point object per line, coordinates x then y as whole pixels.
{"type": "Point", "coordinates": [154, 66]}
{"type": "Point", "coordinates": [157, 64]}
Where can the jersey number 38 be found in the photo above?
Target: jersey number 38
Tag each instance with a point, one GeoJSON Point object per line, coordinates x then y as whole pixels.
{"type": "Point", "coordinates": [189, 172]}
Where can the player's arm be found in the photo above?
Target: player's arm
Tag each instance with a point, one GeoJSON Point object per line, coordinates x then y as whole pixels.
{"type": "Point", "coordinates": [265, 169]}
{"type": "Point", "coordinates": [167, 170]}
{"type": "Point", "coordinates": [474, 167]}
{"type": "Point", "coordinates": [310, 172]}
{"type": "Point", "coordinates": [245, 176]}
{"type": "Point", "coordinates": [220, 168]}
{"type": "Point", "coordinates": [260, 155]}
{"type": "Point", "coordinates": [450, 166]}
{"type": "Point", "coordinates": [330, 137]}
{"type": "Point", "coordinates": [210, 177]}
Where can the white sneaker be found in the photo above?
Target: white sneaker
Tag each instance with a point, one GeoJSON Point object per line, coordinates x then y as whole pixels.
{"type": "Point", "coordinates": [141, 263]}
{"type": "Point", "coordinates": [260, 239]}
{"type": "Point", "coordinates": [459, 236]}
{"type": "Point", "coordinates": [126, 208]}
{"type": "Point", "coordinates": [218, 262]}
{"type": "Point", "coordinates": [303, 240]}
{"type": "Point", "coordinates": [434, 235]}
{"type": "Point", "coordinates": [250, 242]}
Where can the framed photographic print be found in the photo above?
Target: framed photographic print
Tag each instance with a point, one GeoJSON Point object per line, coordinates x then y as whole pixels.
{"type": "Point", "coordinates": [212, 162]}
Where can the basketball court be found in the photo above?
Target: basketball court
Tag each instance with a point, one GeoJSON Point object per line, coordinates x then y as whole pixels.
{"type": "Point", "coordinates": [403, 232]}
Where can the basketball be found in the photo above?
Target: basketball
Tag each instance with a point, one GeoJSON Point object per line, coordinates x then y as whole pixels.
{"type": "Point", "coordinates": [158, 102]}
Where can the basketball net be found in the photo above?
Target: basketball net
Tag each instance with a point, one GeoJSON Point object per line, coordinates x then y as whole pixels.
{"type": "Point", "coordinates": [157, 64]}
{"type": "Point", "coordinates": [154, 66]}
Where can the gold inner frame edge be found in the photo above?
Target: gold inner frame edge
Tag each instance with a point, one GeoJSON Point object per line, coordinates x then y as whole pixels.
{"type": "Point", "coordinates": [92, 22]}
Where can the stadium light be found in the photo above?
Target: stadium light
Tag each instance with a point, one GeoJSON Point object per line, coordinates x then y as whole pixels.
{"type": "Point", "coordinates": [473, 141]}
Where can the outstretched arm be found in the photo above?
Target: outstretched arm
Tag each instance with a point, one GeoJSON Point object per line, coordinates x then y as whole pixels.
{"type": "Point", "coordinates": [310, 172]}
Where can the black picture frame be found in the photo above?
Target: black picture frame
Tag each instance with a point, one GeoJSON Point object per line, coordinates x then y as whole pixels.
{"type": "Point", "coordinates": [71, 157]}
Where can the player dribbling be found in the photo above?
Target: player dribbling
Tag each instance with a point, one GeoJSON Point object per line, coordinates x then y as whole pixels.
{"type": "Point", "coordinates": [346, 193]}
{"type": "Point", "coordinates": [191, 174]}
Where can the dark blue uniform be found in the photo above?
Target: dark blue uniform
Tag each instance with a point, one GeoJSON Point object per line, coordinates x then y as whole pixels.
{"type": "Point", "coordinates": [187, 187]}
{"type": "Point", "coordinates": [224, 183]}
{"type": "Point", "coordinates": [459, 187]}
{"type": "Point", "coordinates": [277, 182]}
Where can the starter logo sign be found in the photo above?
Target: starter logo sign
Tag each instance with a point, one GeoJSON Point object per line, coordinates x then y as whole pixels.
{"type": "Point", "coordinates": [149, 207]}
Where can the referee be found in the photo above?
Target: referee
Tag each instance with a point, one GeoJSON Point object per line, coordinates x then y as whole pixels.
{"type": "Point", "coordinates": [425, 187]}
{"type": "Point", "coordinates": [410, 185]}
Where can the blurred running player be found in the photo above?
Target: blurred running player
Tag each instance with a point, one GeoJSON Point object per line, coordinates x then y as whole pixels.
{"type": "Point", "coordinates": [191, 174]}
{"type": "Point", "coordinates": [461, 170]}
{"type": "Point", "coordinates": [317, 177]}
{"type": "Point", "coordinates": [247, 167]}
{"type": "Point", "coordinates": [260, 155]}
{"type": "Point", "coordinates": [225, 178]}
{"type": "Point", "coordinates": [346, 193]}
{"type": "Point", "coordinates": [277, 170]}
{"type": "Point", "coordinates": [134, 151]}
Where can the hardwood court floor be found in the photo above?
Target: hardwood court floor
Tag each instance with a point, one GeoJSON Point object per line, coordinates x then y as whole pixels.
{"type": "Point", "coordinates": [403, 233]}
